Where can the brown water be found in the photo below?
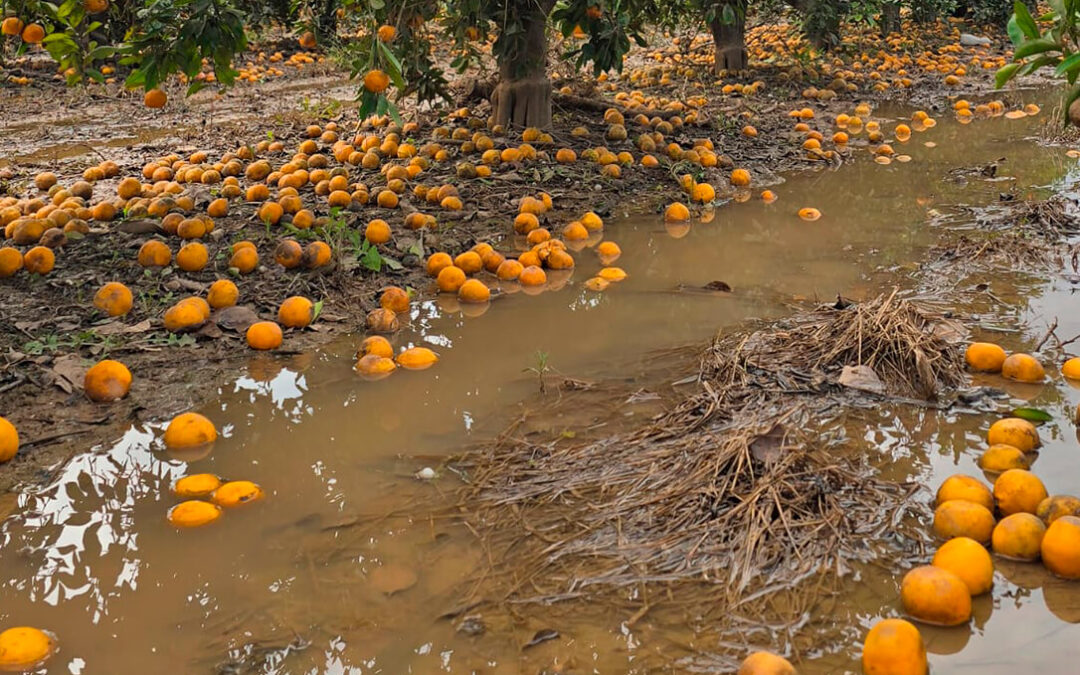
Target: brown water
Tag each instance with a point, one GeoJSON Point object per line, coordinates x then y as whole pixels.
{"type": "Point", "coordinates": [290, 584]}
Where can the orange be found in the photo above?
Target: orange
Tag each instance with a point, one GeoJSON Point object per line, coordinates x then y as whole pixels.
{"type": "Point", "coordinates": [809, 213]}
{"type": "Point", "coordinates": [532, 276]}
{"type": "Point", "coordinates": [960, 518]}
{"type": "Point", "coordinates": [436, 262]}
{"type": "Point", "coordinates": [270, 213]}
{"type": "Point", "coordinates": [189, 430]}
{"type": "Point", "coordinates": [592, 222]}
{"type": "Point", "coordinates": [296, 312]}
{"type": "Point", "coordinates": [9, 440]}
{"type": "Point", "coordinates": [474, 290]}
{"type": "Point", "coordinates": [969, 560]}
{"type": "Point", "coordinates": [1071, 369]}
{"type": "Point", "coordinates": [107, 381]}
{"type": "Point", "coordinates": [386, 33]}
{"type": "Point", "coordinates": [575, 231]}
{"type": "Point", "coordinates": [1016, 432]}
{"type": "Point", "coordinates": [244, 260]}
{"type": "Point", "coordinates": [1018, 491]}
{"type": "Point", "coordinates": [1056, 506]}
{"type": "Point", "coordinates": [11, 25]}
{"type": "Point", "coordinates": [377, 231]}
{"type": "Point", "coordinates": [155, 98]}
{"type": "Point", "coordinates": [676, 213]}
{"type": "Point", "coordinates": [375, 367]}
{"type": "Point", "coordinates": [894, 647]}
{"type": "Point", "coordinates": [186, 314]}
{"type": "Point", "coordinates": [194, 513]}
{"type": "Point", "coordinates": [237, 492]}
{"type": "Point", "coordinates": [1019, 537]}
{"type": "Point", "coordinates": [524, 223]}
{"type": "Point", "coordinates": [608, 251]}
{"type": "Point", "coordinates": [382, 320]}
{"type": "Point", "coordinates": [395, 298]}
{"type": "Point", "coordinates": [196, 485]}
{"type": "Point", "coordinates": [33, 34]}
{"type": "Point", "coordinates": [376, 81]}
{"type": "Point", "coordinates": [154, 253]}
{"type": "Point", "coordinates": [985, 357]}
{"type": "Point", "coordinates": [289, 254]}
{"type": "Point", "coordinates": [964, 487]}
{"type": "Point", "coordinates": [470, 262]}
{"type": "Point", "coordinates": [23, 647]}
{"type": "Point", "coordinates": [935, 596]}
{"type": "Point", "coordinates": [377, 345]}
{"type": "Point", "coordinates": [509, 270]}
{"type": "Point", "coordinates": [192, 257]}
{"type": "Point", "coordinates": [114, 299]}
{"type": "Point", "coordinates": [450, 279]}
{"type": "Point", "coordinates": [1023, 368]}
{"type": "Point", "coordinates": [999, 458]}
{"type": "Point", "coordinates": [11, 261]}
{"type": "Point", "coordinates": [417, 358]}
{"type": "Point", "coordinates": [264, 335]}
{"type": "Point", "coordinates": [39, 260]}
{"type": "Point", "coordinates": [316, 254]}
{"type": "Point", "coordinates": [765, 663]}
{"type": "Point", "coordinates": [740, 178]}
{"type": "Point", "coordinates": [1061, 547]}
{"type": "Point", "coordinates": [612, 274]}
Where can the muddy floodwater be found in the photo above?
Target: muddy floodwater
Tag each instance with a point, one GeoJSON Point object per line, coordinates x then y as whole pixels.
{"type": "Point", "coordinates": [350, 562]}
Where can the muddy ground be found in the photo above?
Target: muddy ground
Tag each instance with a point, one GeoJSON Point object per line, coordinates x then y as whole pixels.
{"type": "Point", "coordinates": [49, 332]}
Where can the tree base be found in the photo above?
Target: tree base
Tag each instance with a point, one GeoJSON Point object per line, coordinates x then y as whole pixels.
{"type": "Point", "coordinates": [730, 58]}
{"type": "Point", "coordinates": [523, 103]}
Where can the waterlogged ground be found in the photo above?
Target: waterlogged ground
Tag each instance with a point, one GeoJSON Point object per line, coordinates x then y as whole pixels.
{"type": "Point", "coordinates": [352, 565]}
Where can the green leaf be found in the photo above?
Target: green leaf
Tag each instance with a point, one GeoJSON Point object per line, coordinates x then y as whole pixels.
{"type": "Point", "coordinates": [1032, 414]}
{"type": "Point", "coordinates": [1024, 20]}
{"type": "Point", "coordinates": [316, 310]}
{"type": "Point", "coordinates": [1005, 74]}
{"type": "Point", "coordinates": [1038, 46]}
{"type": "Point", "coordinates": [1071, 63]}
{"type": "Point", "coordinates": [727, 15]}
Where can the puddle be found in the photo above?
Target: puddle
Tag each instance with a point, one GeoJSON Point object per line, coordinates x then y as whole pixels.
{"type": "Point", "coordinates": [298, 582]}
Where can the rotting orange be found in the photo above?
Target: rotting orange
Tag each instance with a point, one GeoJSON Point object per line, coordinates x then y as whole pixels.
{"type": "Point", "coordinates": [289, 254]}
{"type": "Point", "coordinates": [9, 440]}
{"type": "Point", "coordinates": [194, 513]}
{"type": "Point", "coordinates": [969, 560]}
{"type": "Point", "coordinates": [186, 315]}
{"type": "Point", "coordinates": [935, 596]}
{"type": "Point", "coordinates": [189, 430]}
{"type": "Point", "coordinates": [612, 274]}
{"type": "Point", "coordinates": [894, 647]}
{"type": "Point", "coordinates": [39, 260]}
{"type": "Point", "coordinates": [154, 253]}
{"type": "Point", "coordinates": [382, 320]}
{"type": "Point", "coordinates": [1016, 432]}
{"type": "Point", "coordinates": [107, 381]}
{"type": "Point", "coordinates": [114, 298]}
{"type": "Point", "coordinates": [417, 358]}
{"type": "Point", "coordinates": [575, 231]}
{"type": "Point", "coordinates": [765, 663]}
{"type": "Point", "coordinates": [1018, 536]}
{"type": "Point", "coordinates": [22, 648]}
{"type": "Point", "coordinates": [532, 276]}
{"type": "Point", "coordinates": [395, 298]}
{"type": "Point", "coordinates": [375, 366]}
{"type": "Point", "coordinates": [296, 312]}
{"type": "Point", "coordinates": [985, 357]}
{"type": "Point", "coordinates": [377, 231]}
{"type": "Point", "coordinates": [1060, 548]}
{"type": "Point", "coordinates": [264, 335]}
{"type": "Point", "coordinates": [509, 270]}
{"type": "Point", "coordinates": [237, 493]}
{"type": "Point", "coordinates": [316, 254]}
{"type": "Point", "coordinates": [11, 261]}
{"type": "Point", "coordinates": [196, 485]}
{"type": "Point", "coordinates": [1023, 368]}
{"type": "Point", "coordinates": [961, 518]}
{"type": "Point", "coordinates": [1018, 491]}
{"type": "Point", "coordinates": [436, 262]}
{"type": "Point", "coordinates": [1056, 506]}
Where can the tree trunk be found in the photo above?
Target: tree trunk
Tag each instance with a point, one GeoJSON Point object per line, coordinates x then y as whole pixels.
{"type": "Point", "coordinates": [890, 18]}
{"type": "Point", "coordinates": [523, 95]}
{"type": "Point", "coordinates": [730, 37]}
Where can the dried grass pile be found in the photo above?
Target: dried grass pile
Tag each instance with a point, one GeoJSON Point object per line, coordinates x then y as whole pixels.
{"type": "Point", "coordinates": [735, 487]}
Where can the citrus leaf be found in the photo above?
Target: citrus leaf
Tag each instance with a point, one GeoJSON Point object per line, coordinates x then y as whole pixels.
{"type": "Point", "coordinates": [1032, 414]}
{"type": "Point", "coordinates": [1024, 20]}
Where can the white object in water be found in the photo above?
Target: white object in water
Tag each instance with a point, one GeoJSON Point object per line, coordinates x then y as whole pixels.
{"type": "Point", "coordinates": [427, 473]}
{"type": "Point", "coordinates": [969, 40]}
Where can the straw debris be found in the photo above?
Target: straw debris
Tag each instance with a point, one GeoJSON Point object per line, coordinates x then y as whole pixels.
{"type": "Point", "coordinates": [741, 489]}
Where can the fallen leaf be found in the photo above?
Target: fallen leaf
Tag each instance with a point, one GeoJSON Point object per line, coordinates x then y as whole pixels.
{"type": "Point", "coordinates": [862, 378]}
{"type": "Point", "coordinates": [768, 447]}
{"type": "Point", "coordinates": [542, 635]}
{"type": "Point", "coordinates": [236, 318]}
{"type": "Point", "coordinates": [139, 226]}
{"type": "Point", "coordinates": [69, 371]}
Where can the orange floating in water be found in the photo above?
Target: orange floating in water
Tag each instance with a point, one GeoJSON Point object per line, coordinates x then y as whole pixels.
{"type": "Point", "coordinates": [417, 358]}
{"type": "Point", "coordinates": [194, 513]}
{"type": "Point", "coordinates": [1015, 114]}
{"type": "Point", "coordinates": [809, 213]}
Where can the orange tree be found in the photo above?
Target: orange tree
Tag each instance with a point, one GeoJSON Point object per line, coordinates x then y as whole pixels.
{"type": "Point", "coordinates": [397, 48]}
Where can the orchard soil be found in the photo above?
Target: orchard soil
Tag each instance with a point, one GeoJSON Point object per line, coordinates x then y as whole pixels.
{"type": "Point", "coordinates": [49, 331]}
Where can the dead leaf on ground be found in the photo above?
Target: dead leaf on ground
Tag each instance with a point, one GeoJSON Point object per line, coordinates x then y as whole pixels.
{"type": "Point", "coordinates": [862, 378]}
{"type": "Point", "coordinates": [236, 318]}
{"type": "Point", "coordinates": [119, 328]}
{"type": "Point", "coordinates": [69, 371]}
{"type": "Point", "coordinates": [542, 635]}
{"type": "Point", "coordinates": [769, 446]}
